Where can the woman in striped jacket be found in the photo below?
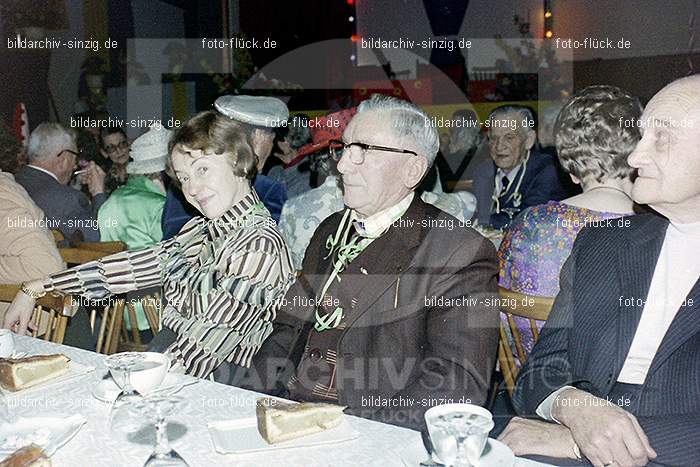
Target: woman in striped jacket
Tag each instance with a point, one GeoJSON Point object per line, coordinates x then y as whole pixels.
{"type": "Point", "coordinates": [223, 276]}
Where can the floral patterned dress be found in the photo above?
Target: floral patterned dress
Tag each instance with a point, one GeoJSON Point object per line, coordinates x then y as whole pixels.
{"type": "Point", "coordinates": [534, 249]}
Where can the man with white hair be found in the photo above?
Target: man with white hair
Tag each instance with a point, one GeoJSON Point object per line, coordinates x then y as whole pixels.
{"type": "Point", "coordinates": [53, 152]}
{"type": "Point", "coordinates": [617, 364]}
{"type": "Point", "coordinates": [391, 313]}
{"type": "Point", "coordinates": [516, 176]}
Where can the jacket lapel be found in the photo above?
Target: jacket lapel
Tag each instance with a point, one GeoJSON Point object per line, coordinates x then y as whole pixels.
{"type": "Point", "coordinates": [384, 260]}
{"type": "Point", "coordinates": [636, 266]}
{"type": "Point", "coordinates": [683, 327]}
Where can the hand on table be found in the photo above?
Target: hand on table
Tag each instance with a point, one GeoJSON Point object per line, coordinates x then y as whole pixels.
{"type": "Point", "coordinates": [524, 436]}
{"type": "Point", "coordinates": [20, 311]}
{"type": "Point", "coordinates": [605, 433]}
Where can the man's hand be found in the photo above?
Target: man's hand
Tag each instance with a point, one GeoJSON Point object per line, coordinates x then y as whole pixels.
{"type": "Point", "coordinates": [95, 179]}
{"type": "Point", "coordinates": [605, 433]}
{"type": "Point", "coordinates": [524, 436]}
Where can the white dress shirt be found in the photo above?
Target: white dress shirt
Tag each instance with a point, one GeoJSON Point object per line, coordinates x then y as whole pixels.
{"type": "Point", "coordinates": [675, 274]}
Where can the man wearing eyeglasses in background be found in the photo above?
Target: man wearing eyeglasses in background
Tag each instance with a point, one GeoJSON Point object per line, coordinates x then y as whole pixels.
{"type": "Point", "coordinates": [390, 315]}
{"type": "Point", "coordinates": [53, 152]}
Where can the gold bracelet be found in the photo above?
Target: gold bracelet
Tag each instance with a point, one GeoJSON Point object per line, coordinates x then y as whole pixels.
{"type": "Point", "coordinates": [31, 293]}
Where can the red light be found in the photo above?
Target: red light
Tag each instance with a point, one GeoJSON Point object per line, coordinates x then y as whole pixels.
{"type": "Point", "coordinates": [350, 2]}
{"type": "Point", "coordinates": [354, 38]}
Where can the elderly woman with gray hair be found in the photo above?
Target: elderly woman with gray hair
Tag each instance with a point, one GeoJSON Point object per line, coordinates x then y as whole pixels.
{"type": "Point", "coordinates": [592, 147]}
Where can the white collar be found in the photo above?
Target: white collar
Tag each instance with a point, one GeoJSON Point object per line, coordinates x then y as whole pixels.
{"type": "Point", "coordinates": [511, 174]}
{"type": "Point", "coordinates": [374, 225]}
{"type": "Point", "coordinates": [41, 169]}
{"type": "Point", "coordinates": [691, 230]}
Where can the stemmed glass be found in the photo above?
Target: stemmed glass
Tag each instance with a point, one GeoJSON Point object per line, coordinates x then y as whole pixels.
{"type": "Point", "coordinates": [119, 414]}
{"type": "Point", "coordinates": [157, 409]}
{"type": "Point", "coordinates": [4, 408]}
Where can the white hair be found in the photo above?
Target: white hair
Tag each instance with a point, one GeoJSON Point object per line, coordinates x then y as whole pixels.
{"type": "Point", "coordinates": [408, 120]}
{"type": "Point", "coordinates": [47, 140]}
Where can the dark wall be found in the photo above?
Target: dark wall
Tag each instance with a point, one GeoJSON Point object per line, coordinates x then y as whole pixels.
{"type": "Point", "coordinates": [642, 76]}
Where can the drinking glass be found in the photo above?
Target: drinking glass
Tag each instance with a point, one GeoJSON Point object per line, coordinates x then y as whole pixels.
{"type": "Point", "coordinates": [157, 409]}
{"type": "Point", "coordinates": [120, 418]}
{"type": "Point", "coordinates": [459, 433]}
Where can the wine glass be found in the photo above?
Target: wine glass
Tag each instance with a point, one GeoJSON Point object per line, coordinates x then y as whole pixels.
{"type": "Point", "coordinates": [157, 409]}
{"type": "Point", "coordinates": [119, 417]}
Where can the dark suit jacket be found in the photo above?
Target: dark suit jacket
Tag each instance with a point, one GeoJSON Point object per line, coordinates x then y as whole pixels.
{"type": "Point", "coordinates": [590, 330]}
{"type": "Point", "coordinates": [66, 208]}
{"type": "Point", "coordinates": [417, 354]}
{"type": "Point", "coordinates": [543, 182]}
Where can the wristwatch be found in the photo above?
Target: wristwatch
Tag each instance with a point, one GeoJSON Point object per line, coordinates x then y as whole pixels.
{"type": "Point", "coordinates": [31, 293]}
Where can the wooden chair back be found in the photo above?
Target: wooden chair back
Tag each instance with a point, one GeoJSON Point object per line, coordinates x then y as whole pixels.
{"type": "Point", "coordinates": [51, 313]}
{"type": "Point", "coordinates": [57, 235]}
{"type": "Point", "coordinates": [531, 307]}
{"type": "Point", "coordinates": [107, 247]}
{"type": "Point", "coordinates": [111, 318]}
{"type": "Point", "coordinates": [112, 315]}
{"type": "Point", "coordinates": [153, 309]}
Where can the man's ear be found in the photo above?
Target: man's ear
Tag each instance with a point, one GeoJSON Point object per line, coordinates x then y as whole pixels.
{"type": "Point", "coordinates": [531, 137]}
{"type": "Point", "coordinates": [415, 171]}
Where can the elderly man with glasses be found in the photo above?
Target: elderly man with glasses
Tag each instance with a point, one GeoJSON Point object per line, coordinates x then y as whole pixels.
{"type": "Point", "coordinates": [53, 152]}
{"type": "Point", "coordinates": [391, 314]}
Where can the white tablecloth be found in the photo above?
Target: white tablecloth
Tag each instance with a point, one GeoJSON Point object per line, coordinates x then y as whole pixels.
{"type": "Point", "coordinates": [378, 445]}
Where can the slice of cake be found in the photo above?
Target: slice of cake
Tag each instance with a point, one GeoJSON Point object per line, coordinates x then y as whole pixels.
{"type": "Point", "coordinates": [28, 456]}
{"type": "Point", "coordinates": [281, 421]}
{"type": "Point", "coordinates": [22, 373]}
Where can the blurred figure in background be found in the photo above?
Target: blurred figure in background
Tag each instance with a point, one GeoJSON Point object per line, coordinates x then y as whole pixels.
{"type": "Point", "coordinates": [53, 153]}
{"type": "Point", "coordinates": [294, 172]}
{"type": "Point", "coordinates": [516, 176]}
{"type": "Point", "coordinates": [114, 146]}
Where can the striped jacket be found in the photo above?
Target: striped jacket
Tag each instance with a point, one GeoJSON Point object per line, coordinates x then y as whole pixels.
{"type": "Point", "coordinates": [222, 282]}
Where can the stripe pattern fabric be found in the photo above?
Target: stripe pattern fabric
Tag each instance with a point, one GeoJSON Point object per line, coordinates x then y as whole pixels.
{"type": "Point", "coordinates": [223, 281]}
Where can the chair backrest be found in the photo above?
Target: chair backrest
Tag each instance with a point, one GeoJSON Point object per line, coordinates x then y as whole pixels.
{"type": "Point", "coordinates": [50, 315]}
{"type": "Point", "coordinates": [152, 308]}
{"type": "Point", "coordinates": [111, 317]}
{"type": "Point", "coordinates": [57, 235]}
{"type": "Point", "coordinates": [530, 307]}
{"type": "Point", "coordinates": [107, 247]}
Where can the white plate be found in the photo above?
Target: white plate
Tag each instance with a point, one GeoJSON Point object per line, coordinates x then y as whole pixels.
{"type": "Point", "coordinates": [49, 433]}
{"type": "Point", "coordinates": [106, 390]}
{"type": "Point", "coordinates": [496, 454]}
{"type": "Point", "coordinates": [75, 370]}
{"type": "Point", "coordinates": [242, 437]}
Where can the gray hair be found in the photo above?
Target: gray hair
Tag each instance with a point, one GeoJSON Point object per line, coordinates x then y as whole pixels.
{"type": "Point", "coordinates": [592, 144]}
{"type": "Point", "coordinates": [409, 120]}
{"type": "Point", "coordinates": [521, 114]}
{"type": "Point", "coordinates": [47, 140]}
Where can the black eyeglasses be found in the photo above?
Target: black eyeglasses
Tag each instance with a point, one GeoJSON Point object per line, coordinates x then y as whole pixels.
{"type": "Point", "coordinates": [76, 154]}
{"type": "Point", "coordinates": [337, 149]}
{"type": "Point", "coordinates": [113, 147]}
